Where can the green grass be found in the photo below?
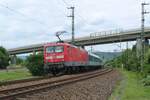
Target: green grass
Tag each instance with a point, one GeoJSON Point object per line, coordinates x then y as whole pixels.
{"type": "Point", "coordinates": [130, 88]}
{"type": "Point", "coordinates": [14, 74]}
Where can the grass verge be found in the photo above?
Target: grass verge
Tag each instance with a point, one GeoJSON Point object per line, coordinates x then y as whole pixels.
{"type": "Point", "coordinates": [130, 88]}
{"type": "Point", "coordinates": [14, 74]}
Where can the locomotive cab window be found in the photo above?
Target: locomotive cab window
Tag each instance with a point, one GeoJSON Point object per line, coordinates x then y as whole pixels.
{"type": "Point", "coordinates": [50, 49]}
{"type": "Point", "coordinates": [55, 49]}
{"type": "Point", "coordinates": [59, 49]}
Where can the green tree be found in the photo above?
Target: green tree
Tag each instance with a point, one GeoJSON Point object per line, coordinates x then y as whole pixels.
{"type": "Point", "coordinates": [132, 63]}
{"type": "Point", "coordinates": [35, 64]}
{"type": "Point", "coordinates": [4, 58]}
{"type": "Point", "coordinates": [147, 57]}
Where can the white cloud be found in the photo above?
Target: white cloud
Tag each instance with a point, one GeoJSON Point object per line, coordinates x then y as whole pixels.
{"type": "Point", "coordinates": [37, 21]}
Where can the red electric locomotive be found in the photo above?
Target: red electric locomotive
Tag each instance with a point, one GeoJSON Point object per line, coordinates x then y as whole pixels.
{"type": "Point", "coordinates": [64, 57]}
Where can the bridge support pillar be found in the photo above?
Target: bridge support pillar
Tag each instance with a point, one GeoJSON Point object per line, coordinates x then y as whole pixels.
{"type": "Point", "coordinates": [34, 52]}
{"type": "Point", "coordinates": [13, 59]}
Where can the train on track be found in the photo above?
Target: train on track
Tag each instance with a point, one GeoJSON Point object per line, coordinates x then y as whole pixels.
{"type": "Point", "coordinates": [65, 57]}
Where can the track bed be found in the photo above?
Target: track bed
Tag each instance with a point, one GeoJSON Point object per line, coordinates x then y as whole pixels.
{"type": "Point", "coordinates": [12, 92]}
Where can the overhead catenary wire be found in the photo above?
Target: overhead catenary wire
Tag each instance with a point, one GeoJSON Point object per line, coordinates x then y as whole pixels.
{"type": "Point", "coordinates": [20, 13]}
{"type": "Point", "coordinates": [66, 4]}
{"type": "Point", "coordinates": [79, 16]}
{"type": "Point", "coordinates": [35, 20]}
{"type": "Point", "coordinates": [63, 11]}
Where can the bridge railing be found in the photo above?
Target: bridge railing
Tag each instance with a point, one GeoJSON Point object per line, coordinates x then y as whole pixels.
{"type": "Point", "coordinates": [116, 32]}
{"type": "Point", "coordinates": [106, 33]}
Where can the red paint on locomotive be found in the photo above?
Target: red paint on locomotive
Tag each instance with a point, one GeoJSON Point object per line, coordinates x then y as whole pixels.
{"type": "Point", "coordinates": [64, 53]}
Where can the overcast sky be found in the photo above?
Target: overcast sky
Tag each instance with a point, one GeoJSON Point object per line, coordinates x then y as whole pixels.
{"type": "Point", "coordinates": [24, 22]}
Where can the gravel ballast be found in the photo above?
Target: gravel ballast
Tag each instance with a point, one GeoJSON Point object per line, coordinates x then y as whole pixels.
{"type": "Point", "coordinates": [98, 88]}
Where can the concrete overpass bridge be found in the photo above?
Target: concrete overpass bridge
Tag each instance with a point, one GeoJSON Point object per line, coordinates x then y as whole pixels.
{"type": "Point", "coordinates": [95, 38]}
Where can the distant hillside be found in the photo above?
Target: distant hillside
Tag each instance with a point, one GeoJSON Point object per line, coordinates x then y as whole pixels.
{"type": "Point", "coordinates": [107, 55]}
{"type": "Point", "coordinates": [22, 57]}
{"type": "Point", "coordinates": [104, 55]}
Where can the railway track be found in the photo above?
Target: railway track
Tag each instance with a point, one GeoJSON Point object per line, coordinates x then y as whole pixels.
{"type": "Point", "coordinates": [12, 93]}
{"type": "Point", "coordinates": [4, 83]}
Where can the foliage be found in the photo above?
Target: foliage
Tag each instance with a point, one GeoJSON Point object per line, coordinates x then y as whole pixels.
{"type": "Point", "coordinates": [129, 61]}
{"type": "Point", "coordinates": [24, 63]}
{"type": "Point", "coordinates": [146, 81]}
{"type": "Point", "coordinates": [147, 57]}
{"type": "Point", "coordinates": [19, 61]}
{"type": "Point", "coordinates": [35, 64]}
{"type": "Point", "coordinates": [4, 58]}
{"type": "Point", "coordinates": [130, 89]}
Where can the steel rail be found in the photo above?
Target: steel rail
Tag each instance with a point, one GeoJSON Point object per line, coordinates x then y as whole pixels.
{"type": "Point", "coordinates": [5, 83]}
{"type": "Point", "coordinates": [24, 90]}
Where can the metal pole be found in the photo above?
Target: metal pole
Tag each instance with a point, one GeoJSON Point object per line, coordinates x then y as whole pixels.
{"type": "Point", "coordinates": [72, 16]}
{"type": "Point", "coordinates": [142, 36]}
{"type": "Point", "coordinates": [127, 56]}
{"type": "Point", "coordinates": [142, 39]}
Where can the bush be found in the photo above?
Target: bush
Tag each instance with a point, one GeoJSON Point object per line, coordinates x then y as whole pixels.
{"type": "Point", "coordinates": [4, 58]}
{"type": "Point", "coordinates": [35, 64]}
{"type": "Point", "coordinates": [146, 81]}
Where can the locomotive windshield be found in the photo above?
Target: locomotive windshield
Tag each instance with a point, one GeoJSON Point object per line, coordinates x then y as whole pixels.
{"type": "Point", "coordinates": [59, 49]}
{"type": "Point", "coordinates": [52, 49]}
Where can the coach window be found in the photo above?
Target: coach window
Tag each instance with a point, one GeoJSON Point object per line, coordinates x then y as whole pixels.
{"type": "Point", "coordinates": [59, 49]}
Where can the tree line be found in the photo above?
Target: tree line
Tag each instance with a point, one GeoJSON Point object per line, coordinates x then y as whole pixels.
{"type": "Point", "coordinates": [129, 61]}
{"type": "Point", "coordinates": [4, 58]}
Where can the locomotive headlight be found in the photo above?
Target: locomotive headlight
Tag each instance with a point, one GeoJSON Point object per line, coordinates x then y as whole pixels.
{"type": "Point", "coordinates": [61, 56]}
{"type": "Point", "coordinates": [49, 57]}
